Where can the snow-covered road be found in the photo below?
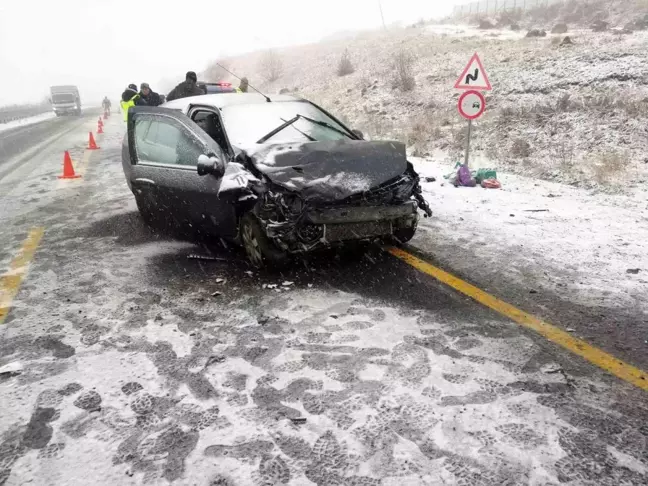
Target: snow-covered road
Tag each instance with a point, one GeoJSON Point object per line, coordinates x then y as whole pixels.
{"type": "Point", "coordinates": [126, 361]}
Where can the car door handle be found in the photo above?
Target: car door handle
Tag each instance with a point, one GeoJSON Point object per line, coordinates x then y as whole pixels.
{"type": "Point", "coordinates": [147, 182]}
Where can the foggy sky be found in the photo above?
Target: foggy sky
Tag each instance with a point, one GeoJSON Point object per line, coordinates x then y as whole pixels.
{"type": "Point", "coordinates": [102, 45]}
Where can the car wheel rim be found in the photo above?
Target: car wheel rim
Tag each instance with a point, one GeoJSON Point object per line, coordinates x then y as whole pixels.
{"type": "Point", "coordinates": [252, 245]}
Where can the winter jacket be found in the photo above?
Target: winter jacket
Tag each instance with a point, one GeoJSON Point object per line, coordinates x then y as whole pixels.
{"type": "Point", "coordinates": [128, 94]}
{"type": "Point", "coordinates": [129, 99]}
{"type": "Point", "coordinates": [153, 99]}
{"type": "Point", "coordinates": [184, 90]}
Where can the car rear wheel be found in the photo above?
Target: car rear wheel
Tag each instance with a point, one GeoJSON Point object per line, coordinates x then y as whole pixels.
{"type": "Point", "coordinates": [260, 250]}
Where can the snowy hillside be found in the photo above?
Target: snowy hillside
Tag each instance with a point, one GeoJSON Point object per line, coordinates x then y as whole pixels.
{"type": "Point", "coordinates": [572, 113]}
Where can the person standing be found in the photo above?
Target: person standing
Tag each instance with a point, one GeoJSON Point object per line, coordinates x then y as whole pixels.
{"type": "Point", "coordinates": [129, 99]}
{"type": "Point", "coordinates": [106, 105]}
{"type": "Point", "coordinates": [148, 97]}
{"type": "Point", "coordinates": [243, 87]}
{"type": "Point", "coordinates": [187, 88]}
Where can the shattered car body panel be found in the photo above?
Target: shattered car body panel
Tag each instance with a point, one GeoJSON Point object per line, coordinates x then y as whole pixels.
{"type": "Point", "coordinates": [323, 172]}
{"type": "Point", "coordinates": [318, 194]}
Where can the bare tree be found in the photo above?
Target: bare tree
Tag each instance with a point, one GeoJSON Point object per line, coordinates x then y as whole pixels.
{"type": "Point", "coordinates": [271, 66]}
{"type": "Point", "coordinates": [345, 66]}
{"type": "Point", "coordinates": [403, 65]}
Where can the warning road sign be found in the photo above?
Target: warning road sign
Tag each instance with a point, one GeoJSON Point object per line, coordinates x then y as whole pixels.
{"type": "Point", "coordinates": [474, 76]}
{"type": "Point", "coordinates": [472, 104]}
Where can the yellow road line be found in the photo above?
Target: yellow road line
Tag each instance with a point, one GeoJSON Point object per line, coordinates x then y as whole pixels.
{"type": "Point", "coordinates": [11, 280]}
{"type": "Point", "coordinates": [577, 346]}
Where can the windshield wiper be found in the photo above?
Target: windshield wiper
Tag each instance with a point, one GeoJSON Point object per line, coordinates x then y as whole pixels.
{"type": "Point", "coordinates": [278, 129]}
{"type": "Point", "coordinates": [327, 125]}
{"type": "Point", "coordinates": [293, 120]}
{"type": "Point", "coordinates": [309, 137]}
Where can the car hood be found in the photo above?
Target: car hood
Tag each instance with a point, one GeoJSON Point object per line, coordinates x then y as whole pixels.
{"type": "Point", "coordinates": [330, 171]}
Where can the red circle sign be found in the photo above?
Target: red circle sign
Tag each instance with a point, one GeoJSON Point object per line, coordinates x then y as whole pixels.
{"type": "Point", "coordinates": [472, 104]}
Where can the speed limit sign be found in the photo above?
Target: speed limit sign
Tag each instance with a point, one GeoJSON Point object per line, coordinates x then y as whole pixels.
{"type": "Point", "coordinates": [472, 104]}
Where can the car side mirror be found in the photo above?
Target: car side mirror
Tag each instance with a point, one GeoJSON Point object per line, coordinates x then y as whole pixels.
{"type": "Point", "coordinates": [358, 134]}
{"type": "Point", "coordinates": [210, 164]}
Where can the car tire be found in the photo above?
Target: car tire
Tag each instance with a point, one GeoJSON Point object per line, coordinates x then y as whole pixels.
{"type": "Point", "coordinates": [145, 211]}
{"type": "Point", "coordinates": [403, 235]}
{"type": "Point", "coordinates": [258, 247]}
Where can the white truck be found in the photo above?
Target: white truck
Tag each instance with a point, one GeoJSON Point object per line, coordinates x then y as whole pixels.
{"type": "Point", "coordinates": [65, 100]}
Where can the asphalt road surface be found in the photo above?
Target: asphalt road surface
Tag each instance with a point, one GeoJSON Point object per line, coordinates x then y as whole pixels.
{"type": "Point", "coordinates": [127, 357]}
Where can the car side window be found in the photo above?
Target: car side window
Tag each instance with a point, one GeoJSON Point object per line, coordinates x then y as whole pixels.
{"type": "Point", "coordinates": [166, 141]}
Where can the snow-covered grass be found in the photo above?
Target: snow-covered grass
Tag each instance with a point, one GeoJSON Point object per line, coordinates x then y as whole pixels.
{"type": "Point", "coordinates": [573, 105]}
{"type": "Point", "coordinates": [541, 235]}
{"type": "Point", "coordinates": [26, 121]}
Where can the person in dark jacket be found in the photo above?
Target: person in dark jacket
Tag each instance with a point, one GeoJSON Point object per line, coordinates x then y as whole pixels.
{"type": "Point", "coordinates": [148, 97]}
{"type": "Point", "coordinates": [129, 92]}
{"type": "Point", "coordinates": [185, 89]}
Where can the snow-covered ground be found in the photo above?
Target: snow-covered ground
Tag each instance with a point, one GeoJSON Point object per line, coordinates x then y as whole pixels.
{"type": "Point", "coordinates": [26, 121]}
{"type": "Point", "coordinates": [545, 236]}
{"type": "Point", "coordinates": [574, 114]}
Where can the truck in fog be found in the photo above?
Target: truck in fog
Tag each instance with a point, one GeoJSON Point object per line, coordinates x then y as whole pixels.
{"type": "Point", "coordinates": [65, 100]}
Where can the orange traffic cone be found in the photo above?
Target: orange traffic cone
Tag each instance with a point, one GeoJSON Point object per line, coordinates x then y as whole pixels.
{"type": "Point", "coordinates": [99, 127]}
{"type": "Point", "coordinates": [92, 145]}
{"type": "Point", "coordinates": [105, 115]}
{"type": "Point", "coordinates": [100, 122]}
{"type": "Point", "coordinates": [68, 169]}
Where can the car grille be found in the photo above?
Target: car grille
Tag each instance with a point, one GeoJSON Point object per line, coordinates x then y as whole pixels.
{"type": "Point", "coordinates": [356, 231]}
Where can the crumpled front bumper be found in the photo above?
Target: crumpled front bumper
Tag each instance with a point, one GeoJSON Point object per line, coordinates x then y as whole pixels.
{"type": "Point", "coordinates": [322, 228]}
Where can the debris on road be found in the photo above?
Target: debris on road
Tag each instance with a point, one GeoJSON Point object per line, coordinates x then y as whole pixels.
{"type": "Point", "coordinates": [206, 258]}
{"type": "Point", "coordinates": [249, 273]}
{"type": "Point", "coordinates": [536, 210]}
{"type": "Point", "coordinates": [633, 271]}
{"type": "Point", "coordinates": [287, 283]}
{"type": "Point", "coordinates": [430, 179]}
{"type": "Point", "coordinates": [220, 280]}
{"type": "Point", "coordinates": [551, 368]}
{"type": "Point", "coordinates": [298, 420]}
{"type": "Point", "coordinates": [272, 286]}
{"type": "Point", "coordinates": [214, 360]}
{"type": "Point", "coordinates": [10, 370]}
{"type": "Point", "coordinates": [217, 294]}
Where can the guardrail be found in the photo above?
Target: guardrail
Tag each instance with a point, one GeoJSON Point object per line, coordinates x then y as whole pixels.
{"type": "Point", "coordinates": [12, 113]}
{"type": "Point", "coordinates": [491, 7]}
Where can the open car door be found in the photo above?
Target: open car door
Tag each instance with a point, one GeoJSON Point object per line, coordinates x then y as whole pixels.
{"type": "Point", "coordinates": [165, 147]}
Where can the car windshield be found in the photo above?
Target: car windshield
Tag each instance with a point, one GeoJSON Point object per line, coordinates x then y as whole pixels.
{"type": "Point", "coordinates": [63, 98]}
{"type": "Point", "coordinates": [246, 124]}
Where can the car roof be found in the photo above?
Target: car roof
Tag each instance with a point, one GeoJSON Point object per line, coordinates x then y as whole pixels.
{"type": "Point", "coordinates": [221, 100]}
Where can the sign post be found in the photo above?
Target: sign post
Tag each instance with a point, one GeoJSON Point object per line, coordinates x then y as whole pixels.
{"type": "Point", "coordinates": [472, 103]}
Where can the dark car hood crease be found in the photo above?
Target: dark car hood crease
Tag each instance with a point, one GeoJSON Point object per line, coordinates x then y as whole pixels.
{"type": "Point", "coordinates": [332, 170]}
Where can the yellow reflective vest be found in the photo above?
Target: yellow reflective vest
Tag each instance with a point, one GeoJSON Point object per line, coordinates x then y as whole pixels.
{"type": "Point", "coordinates": [126, 105]}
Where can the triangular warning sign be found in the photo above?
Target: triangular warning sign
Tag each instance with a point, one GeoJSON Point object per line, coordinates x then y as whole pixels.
{"type": "Point", "coordinates": [474, 76]}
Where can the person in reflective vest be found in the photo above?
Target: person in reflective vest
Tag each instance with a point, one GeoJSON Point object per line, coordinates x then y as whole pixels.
{"type": "Point", "coordinates": [129, 98]}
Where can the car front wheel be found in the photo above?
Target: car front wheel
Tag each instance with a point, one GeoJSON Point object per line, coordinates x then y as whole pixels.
{"type": "Point", "coordinates": [403, 235]}
{"type": "Point", "coordinates": [145, 211]}
{"type": "Point", "coordinates": [260, 250]}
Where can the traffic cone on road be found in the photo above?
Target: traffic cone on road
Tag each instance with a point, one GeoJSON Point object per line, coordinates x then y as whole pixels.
{"type": "Point", "coordinates": [99, 127]}
{"type": "Point", "coordinates": [68, 169]}
{"type": "Point", "coordinates": [92, 145]}
{"type": "Point", "coordinates": [105, 115]}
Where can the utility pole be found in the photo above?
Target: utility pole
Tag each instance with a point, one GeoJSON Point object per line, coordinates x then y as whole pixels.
{"type": "Point", "coordinates": [381, 14]}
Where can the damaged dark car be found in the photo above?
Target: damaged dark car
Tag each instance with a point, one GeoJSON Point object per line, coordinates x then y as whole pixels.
{"type": "Point", "coordinates": [279, 175]}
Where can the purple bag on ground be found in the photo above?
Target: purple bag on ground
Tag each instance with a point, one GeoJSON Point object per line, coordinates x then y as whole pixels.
{"type": "Point", "coordinates": [464, 178]}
